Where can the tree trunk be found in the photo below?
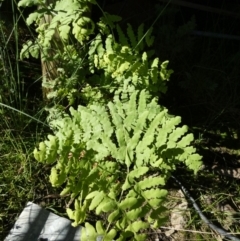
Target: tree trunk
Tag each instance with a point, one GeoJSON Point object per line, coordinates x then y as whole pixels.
{"type": "Point", "coordinates": [49, 66]}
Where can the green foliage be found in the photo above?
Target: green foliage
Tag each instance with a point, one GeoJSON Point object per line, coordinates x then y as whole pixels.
{"type": "Point", "coordinates": [121, 61]}
{"type": "Point", "coordinates": [114, 155]}
{"type": "Point", "coordinates": [103, 65]}
{"type": "Point", "coordinates": [21, 179]}
{"type": "Point", "coordinates": [57, 25]}
{"type": "Point", "coordinates": [115, 159]}
{"type": "Point", "coordinates": [64, 16]}
{"type": "Point", "coordinates": [115, 66]}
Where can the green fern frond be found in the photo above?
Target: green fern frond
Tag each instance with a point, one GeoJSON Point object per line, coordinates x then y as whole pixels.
{"type": "Point", "coordinates": [108, 21]}
{"type": "Point", "coordinates": [121, 36]}
{"type": "Point", "coordinates": [149, 38]}
{"type": "Point", "coordinates": [30, 48]}
{"type": "Point", "coordinates": [123, 153]}
{"type": "Point", "coordinates": [131, 36]}
{"type": "Point", "coordinates": [140, 34]}
{"type": "Point", "coordinates": [114, 156]}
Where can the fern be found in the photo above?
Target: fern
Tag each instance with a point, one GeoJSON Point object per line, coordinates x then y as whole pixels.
{"type": "Point", "coordinates": [123, 156]}
{"type": "Point", "coordinates": [111, 59]}
{"type": "Point", "coordinates": [55, 45]}
{"type": "Point", "coordinates": [122, 38]}
{"type": "Point", "coordinates": [114, 155]}
{"type": "Point", "coordinates": [121, 62]}
{"type": "Point", "coordinates": [68, 15]}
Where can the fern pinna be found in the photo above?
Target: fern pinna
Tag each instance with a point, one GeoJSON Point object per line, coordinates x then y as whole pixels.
{"type": "Point", "coordinates": [115, 160]}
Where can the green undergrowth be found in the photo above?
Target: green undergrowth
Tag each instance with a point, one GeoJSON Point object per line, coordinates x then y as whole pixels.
{"type": "Point", "coordinates": [218, 197]}
{"type": "Point", "coordinates": [202, 90]}
{"type": "Point", "coordinates": [122, 127]}
{"type": "Point", "coordinates": [22, 179]}
{"type": "Point", "coordinates": [217, 194]}
{"type": "Point", "coordinates": [22, 125]}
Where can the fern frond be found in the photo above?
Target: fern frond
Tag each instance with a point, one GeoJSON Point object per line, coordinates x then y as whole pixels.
{"type": "Point", "coordinates": [149, 38]}
{"type": "Point", "coordinates": [122, 37]}
{"type": "Point", "coordinates": [131, 36]}
{"type": "Point", "coordinates": [140, 33]}
{"type": "Point", "coordinates": [129, 147]}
